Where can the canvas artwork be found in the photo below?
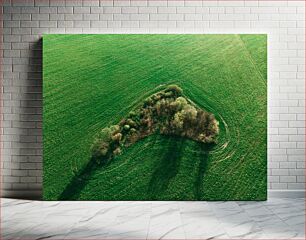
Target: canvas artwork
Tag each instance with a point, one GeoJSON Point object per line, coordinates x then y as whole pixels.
{"type": "Point", "coordinates": [155, 117]}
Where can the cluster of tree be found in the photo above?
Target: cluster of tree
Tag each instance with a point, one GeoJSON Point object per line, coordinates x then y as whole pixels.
{"type": "Point", "coordinates": [168, 112]}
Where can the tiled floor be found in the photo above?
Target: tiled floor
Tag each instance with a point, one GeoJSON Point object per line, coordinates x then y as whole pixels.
{"type": "Point", "coordinates": [273, 219]}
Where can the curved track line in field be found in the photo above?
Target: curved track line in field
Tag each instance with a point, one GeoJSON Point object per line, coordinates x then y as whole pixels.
{"type": "Point", "coordinates": [228, 147]}
{"type": "Point", "coordinates": [222, 152]}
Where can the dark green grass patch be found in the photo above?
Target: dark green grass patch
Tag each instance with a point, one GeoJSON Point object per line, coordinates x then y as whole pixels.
{"type": "Point", "coordinates": [93, 81]}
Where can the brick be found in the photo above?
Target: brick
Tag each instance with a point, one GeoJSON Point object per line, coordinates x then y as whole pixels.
{"type": "Point", "coordinates": [40, 3]}
{"type": "Point", "coordinates": [36, 173]}
{"type": "Point", "coordinates": [137, 3]}
{"type": "Point", "coordinates": [166, 24]}
{"type": "Point", "coordinates": [296, 185]}
{"type": "Point", "coordinates": [186, 10]}
{"type": "Point", "coordinates": [29, 10]}
{"type": "Point", "coordinates": [158, 3]}
{"type": "Point", "coordinates": [273, 165]}
{"type": "Point", "coordinates": [82, 24]}
{"type": "Point", "coordinates": [294, 158]}
{"type": "Point", "coordinates": [242, 10]}
{"type": "Point", "coordinates": [11, 24]}
{"type": "Point", "coordinates": [289, 103]}
{"type": "Point", "coordinates": [296, 172]}
{"type": "Point", "coordinates": [21, 31]}
{"type": "Point", "coordinates": [286, 131]}
{"type": "Point", "coordinates": [104, 17]}
{"type": "Point", "coordinates": [112, 10]}
{"type": "Point", "coordinates": [202, 10]}
{"type": "Point", "coordinates": [288, 145]}
{"type": "Point", "coordinates": [56, 17]}
{"type": "Point", "coordinates": [11, 53]}
{"type": "Point", "coordinates": [19, 173]}
{"type": "Point", "coordinates": [268, 10]}
{"type": "Point", "coordinates": [300, 179]}
{"type": "Point", "coordinates": [74, 3]}
{"type": "Point", "coordinates": [166, 10]}
{"type": "Point", "coordinates": [23, 3]}
{"type": "Point", "coordinates": [91, 3]}
{"type": "Point", "coordinates": [98, 24]}
{"type": "Point", "coordinates": [63, 10]}
{"type": "Point", "coordinates": [29, 24]}
{"type": "Point", "coordinates": [230, 3]}
{"type": "Point", "coordinates": [265, 24]}
{"type": "Point", "coordinates": [193, 3]}
{"type": "Point", "coordinates": [127, 10]}
{"type": "Point", "coordinates": [287, 24]}
{"type": "Point", "coordinates": [147, 9]}
{"type": "Point", "coordinates": [277, 186]}
{"type": "Point", "coordinates": [148, 24]}
{"type": "Point", "coordinates": [91, 17]}
{"type": "Point", "coordinates": [185, 24]}
{"type": "Point", "coordinates": [81, 10]}
{"type": "Point", "coordinates": [50, 10]}
{"type": "Point", "coordinates": [287, 165]}
{"type": "Point", "coordinates": [296, 151]}
{"type": "Point", "coordinates": [122, 3]}
{"type": "Point", "coordinates": [27, 179]}
{"type": "Point", "coordinates": [300, 165]}
{"type": "Point", "coordinates": [113, 24]}
{"type": "Point", "coordinates": [277, 151]}
{"type": "Point", "coordinates": [210, 17]}
{"type": "Point", "coordinates": [44, 16]}
{"type": "Point", "coordinates": [119, 17]}
{"type": "Point", "coordinates": [291, 10]}
{"type": "Point", "coordinates": [176, 17]}
{"type": "Point", "coordinates": [65, 24]}
{"type": "Point", "coordinates": [288, 179]}
{"type": "Point", "coordinates": [273, 179]}
{"type": "Point", "coordinates": [176, 3]}
{"type": "Point", "coordinates": [228, 17]}
{"type": "Point", "coordinates": [158, 17]}
{"type": "Point", "coordinates": [193, 17]}
{"type": "Point", "coordinates": [96, 10]}
{"type": "Point", "coordinates": [273, 145]}
{"type": "Point", "coordinates": [130, 24]}
{"type": "Point", "coordinates": [11, 179]}
{"type": "Point", "coordinates": [287, 74]}
{"type": "Point", "coordinates": [57, 3]}
{"type": "Point", "coordinates": [140, 17]}
{"type": "Point", "coordinates": [47, 24]}
{"type": "Point", "coordinates": [20, 46]}
{"type": "Point", "coordinates": [7, 17]}
{"type": "Point", "coordinates": [71, 17]}
{"type": "Point", "coordinates": [217, 10]}
{"type": "Point", "coordinates": [222, 24]}
{"type": "Point", "coordinates": [22, 16]}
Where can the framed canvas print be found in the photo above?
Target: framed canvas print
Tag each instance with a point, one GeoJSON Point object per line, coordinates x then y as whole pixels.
{"type": "Point", "coordinates": [155, 117]}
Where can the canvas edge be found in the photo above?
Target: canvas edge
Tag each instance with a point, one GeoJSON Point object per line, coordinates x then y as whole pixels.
{"type": "Point", "coordinates": [37, 194]}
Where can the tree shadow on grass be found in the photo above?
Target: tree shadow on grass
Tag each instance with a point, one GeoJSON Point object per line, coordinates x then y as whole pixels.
{"type": "Point", "coordinates": [167, 168]}
{"type": "Point", "coordinates": [204, 150]}
{"type": "Point", "coordinates": [79, 181]}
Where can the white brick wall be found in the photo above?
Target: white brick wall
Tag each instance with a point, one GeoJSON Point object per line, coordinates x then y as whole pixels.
{"type": "Point", "coordinates": [24, 21]}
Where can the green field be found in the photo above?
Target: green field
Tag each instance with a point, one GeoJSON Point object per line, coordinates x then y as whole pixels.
{"type": "Point", "coordinates": [93, 81]}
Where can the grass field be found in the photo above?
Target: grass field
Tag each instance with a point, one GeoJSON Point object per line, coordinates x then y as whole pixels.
{"type": "Point", "coordinates": [93, 81]}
